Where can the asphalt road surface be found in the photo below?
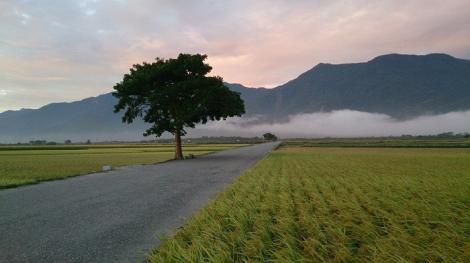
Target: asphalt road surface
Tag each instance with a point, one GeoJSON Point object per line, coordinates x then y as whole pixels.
{"type": "Point", "coordinates": [116, 216]}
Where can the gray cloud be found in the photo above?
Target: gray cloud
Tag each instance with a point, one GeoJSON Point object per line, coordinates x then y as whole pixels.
{"type": "Point", "coordinates": [67, 50]}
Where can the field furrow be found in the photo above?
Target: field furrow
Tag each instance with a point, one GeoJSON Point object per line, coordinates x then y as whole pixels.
{"type": "Point", "coordinates": [336, 205]}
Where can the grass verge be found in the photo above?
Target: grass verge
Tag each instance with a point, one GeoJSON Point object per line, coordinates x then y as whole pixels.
{"type": "Point", "coordinates": [21, 165]}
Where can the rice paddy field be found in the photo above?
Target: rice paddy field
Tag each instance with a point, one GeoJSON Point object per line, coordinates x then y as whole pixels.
{"type": "Point", "coordinates": [314, 204]}
{"type": "Point", "coordinates": [21, 165]}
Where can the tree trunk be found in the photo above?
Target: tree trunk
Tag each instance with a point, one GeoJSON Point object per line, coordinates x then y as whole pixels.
{"type": "Point", "coordinates": [178, 148]}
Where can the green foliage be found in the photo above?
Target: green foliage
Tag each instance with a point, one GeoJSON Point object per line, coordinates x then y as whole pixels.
{"type": "Point", "coordinates": [269, 137]}
{"type": "Point", "coordinates": [172, 94]}
{"type": "Point", "coordinates": [335, 205]}
{"type": "Point", "coordinates": [31, 164]}
{"type": "Point", "coordinates": [38, 142]}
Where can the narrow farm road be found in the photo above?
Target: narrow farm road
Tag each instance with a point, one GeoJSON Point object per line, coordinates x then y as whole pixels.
{"type": "Point", "coordinates": [115, 216]}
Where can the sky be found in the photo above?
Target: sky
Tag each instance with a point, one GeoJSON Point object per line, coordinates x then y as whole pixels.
{"type": "Point", "coordinates": [52, 51]}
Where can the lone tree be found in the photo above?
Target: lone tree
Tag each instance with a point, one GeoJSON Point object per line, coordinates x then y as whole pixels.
{"type": "Point", "coordinates": [173, 94]}
{"type": "Point", "coordinates": [269, 137]}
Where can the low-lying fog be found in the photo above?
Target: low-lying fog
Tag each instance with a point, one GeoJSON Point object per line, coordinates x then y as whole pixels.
{"type": "Point", "coordinates": [342, 123]}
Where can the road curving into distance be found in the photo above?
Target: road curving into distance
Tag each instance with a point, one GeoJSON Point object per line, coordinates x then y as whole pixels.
{"type": "Point", "coordinates": [115, 216]}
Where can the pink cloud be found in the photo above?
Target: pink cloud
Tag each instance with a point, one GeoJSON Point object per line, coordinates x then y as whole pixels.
{"type": "Point", "coordinates": [256, 43]}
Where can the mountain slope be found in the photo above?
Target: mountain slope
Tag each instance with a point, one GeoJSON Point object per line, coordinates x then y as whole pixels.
{"type": "Point", "coordinates": [91, 118]}
{"type": "Point", "coordinates": [402, 86]}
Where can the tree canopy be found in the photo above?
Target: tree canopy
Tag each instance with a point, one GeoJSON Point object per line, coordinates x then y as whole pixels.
{"type": "Point", "coordinates": [174, 94]}
{"type": "Point", "coordinates": [269, 137]}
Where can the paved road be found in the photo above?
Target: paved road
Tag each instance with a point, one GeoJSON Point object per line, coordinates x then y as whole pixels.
{"type": "Point", "coordinates": [115, 216]}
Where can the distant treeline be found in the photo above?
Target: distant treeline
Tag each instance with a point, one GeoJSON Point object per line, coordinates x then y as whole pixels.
{"type": "Point", "coordinates": [445, 135]}
{"type": "Point", "coordinates": [209, 140]}
{"type": "Point", "coordinates": [251, 140]}
{"type": "Point", "coordinates": [201, 140]}
{"type": "Point", "coordinates": [443, 140]}
{"type": "Point", "coordinates": [44, 142]}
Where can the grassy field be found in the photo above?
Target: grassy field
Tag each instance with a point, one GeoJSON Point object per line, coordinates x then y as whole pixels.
{"type": "Point", "coordinates": [31, 164]}
{"type": "Point", "coordinates": [310, 204]}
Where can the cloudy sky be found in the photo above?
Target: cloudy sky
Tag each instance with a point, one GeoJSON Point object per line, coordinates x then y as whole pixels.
{"type": "Point", "coordinates": [66, 50]}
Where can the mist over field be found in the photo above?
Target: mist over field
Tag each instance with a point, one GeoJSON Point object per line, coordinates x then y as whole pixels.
{"type": "Point", "coordinates": [342, 123]}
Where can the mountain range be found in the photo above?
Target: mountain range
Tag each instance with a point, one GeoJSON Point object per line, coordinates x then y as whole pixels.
{"type": "Point", "coordinates": [401, 86]}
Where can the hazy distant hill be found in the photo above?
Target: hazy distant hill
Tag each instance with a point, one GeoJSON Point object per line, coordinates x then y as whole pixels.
{"type": "Point", "coordinates": [402, 86]}
{"type": "Point", "coordinates": [89, 118]}
{"type": "Point", "coordinates": [397, 85]}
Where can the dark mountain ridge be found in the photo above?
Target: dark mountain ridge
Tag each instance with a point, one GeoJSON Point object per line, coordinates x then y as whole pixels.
{"type": "Point", "coordinates": [401, 86]}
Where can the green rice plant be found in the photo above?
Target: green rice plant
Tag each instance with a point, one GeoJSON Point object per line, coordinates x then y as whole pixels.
{"type": "Point", "coordinates": [335, 205]}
